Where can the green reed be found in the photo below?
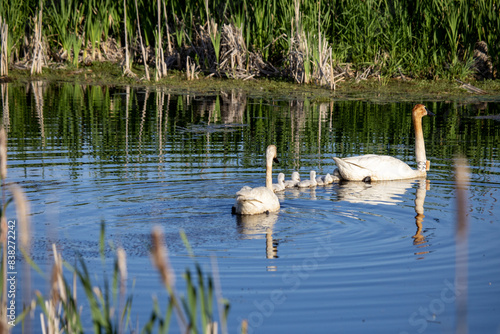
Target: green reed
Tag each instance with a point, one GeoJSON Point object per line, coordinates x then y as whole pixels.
{"type": "Point", "coordinates": [15, 14]}
{"type": "Point", "coordinates": [424, 38]}
{"type": "Point", "coordinates": [65, 21]}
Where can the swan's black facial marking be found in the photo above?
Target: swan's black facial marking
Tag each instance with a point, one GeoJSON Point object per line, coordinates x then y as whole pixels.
{"type": "Point", "coordinates": [429, 113]}
{"type": "Point", "coordinates": [276, 160]}
{"type": "Point", "coordinates": [367, 179]}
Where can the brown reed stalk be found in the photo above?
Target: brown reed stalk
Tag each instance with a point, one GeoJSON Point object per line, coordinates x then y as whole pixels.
{"type": "Point", "coordinates": [144, 58]}
{"type": "Point", "coordinates": [3, 232]}
{"type": "Point", "coordinates": [122, 269]}
{"type": "Point", "coordinates": [160, 260]}
{"type": "Point", "coordinates": [461, 248]}
{"type": "Point", "coordinates": [161, 66]}
{"type": "Point", "coordinates": [22, 234]}
{"type": "Point", "coordinates": [3, 154]}
{"type": "Point", "coordinates": [23, 223]}
{"type": "Point", "coordinates": [244, 326]}
{"type": "Point", "coordinates": [167, 28]}
{"type": "Point", "coordinates": [126, 65]}
{"type": "Point", "coordinates": [4, 55]}
{"type": "Point", "coordinates": [219, 297]}
{"type": "Point", "coordinates": [4, 327]}
{"type": "Point", "coordinates": [51, 325]}
{"type": "Point", "coordinates": [191, 72]}
{"type": "Point", "coordinates": [36, 66]}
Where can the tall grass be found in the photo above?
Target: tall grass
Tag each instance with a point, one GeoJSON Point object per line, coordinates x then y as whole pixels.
{"type": "Point", "coordinates": [15, 14]}
{"type": "Point", "coordinates": [66, 16]}
{"type": "Point", "coordinates": [422, 39]}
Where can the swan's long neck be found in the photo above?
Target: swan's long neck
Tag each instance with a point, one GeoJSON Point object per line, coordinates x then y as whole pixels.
{"type": "Point", "coordinates": [419, 144]}
{"type": "Point", "coordinates": [269, 171]}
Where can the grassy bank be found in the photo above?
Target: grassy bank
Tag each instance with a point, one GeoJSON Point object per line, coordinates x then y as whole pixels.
{"type": "Point", "coordinates": [372, 89]}
{"type": "Point", "coordinates": [304, 41]}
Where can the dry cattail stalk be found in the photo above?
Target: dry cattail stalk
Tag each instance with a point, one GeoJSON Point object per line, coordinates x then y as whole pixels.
{"type": "Point", "coordinates": [244, 326]}
{"type": "Point", "coordinates": [3, 154]}
{"type": "Point", "coordinates": [122, 269]}
{"type": "Point", "coordinates": [126, 61]}
{"type": "Point", "coordinates": [122, 263]}
{"type": "Point", "coordinates": [3, 231]}
{"type": "Point", "coordinates": [57, 277]}
{"type": "Point", "coordinates": [218, 296]}
{"type": "Point", "coordinates": [145, 59]}
{"type": "Point", "coordinates": [191, 69]}
{"type": "Point", "coordinates": [160, 258]}
{"type": "Point", "coordinates": [461, 248]}
{"type": "Point", "coordinates": [4, 36]}
{"type": "Point", "coordinates": [462, 183]}
{"type": "Point", "coordinates": [23, 213]}
{"type": "Point", "coordinates": [3, 305]}
{"type": "Point", "coordinates": [161, 66]}
{"type": "Point", "coordinates": [38, 59]}
{"type": "Point", "coordinates": [211, 328]}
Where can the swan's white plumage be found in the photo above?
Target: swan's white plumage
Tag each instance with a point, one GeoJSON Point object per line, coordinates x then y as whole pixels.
{"type": "Point", "coordinates": [280, 186]}
{"type": "Point", "coordinates": [324, 180]}
{"type": "Point", "coordinates": [320, 180]}
{"type": "Point", "coordinates": [382, 167]}
{"type": "Point", "coordinates": [256, 200]}
{"type": "Point", "coordinates": [293, 182]}
{"type": "Point", "coordinates": [309, 183]}
{"type": "Point", "coordinates": [376, 167]}
{"type": "Point", "coordinates": [252, 201]}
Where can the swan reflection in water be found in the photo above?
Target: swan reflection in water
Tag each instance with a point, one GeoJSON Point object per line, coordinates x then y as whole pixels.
{"type": "Point", "coordinates": [258, 226]}
{"type": "Point", "coordinates": [381, 192]}
{"type": "Point", "coordinates": [389, 193]}
{"type": "Point", "coordinates": [418, 238]}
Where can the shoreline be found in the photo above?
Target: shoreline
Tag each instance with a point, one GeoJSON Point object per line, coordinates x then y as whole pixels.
{"type": "Point", "coordinates": [370, 89]}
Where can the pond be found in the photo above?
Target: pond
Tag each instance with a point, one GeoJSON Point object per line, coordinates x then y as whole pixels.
{"type": "Point", "coordinates": [347, 258]}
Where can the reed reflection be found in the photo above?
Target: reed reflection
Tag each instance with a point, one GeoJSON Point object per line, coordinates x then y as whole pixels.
{"type": "Point", "coordinates": [4, 88]}
{"type": "Point", "coordinates": [38, 92]}
{"type": "Point", "coordinates": [234, 104]}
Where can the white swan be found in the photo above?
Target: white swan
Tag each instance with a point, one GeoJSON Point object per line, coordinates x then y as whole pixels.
{"type": "Point", "coordinates": [280, 186]}
{"type": "Point", "coordinates": [373, 167]}
{"type": "Point", "coordinates": [324, 180]}
{"type": "Point", "coordinates": [252, 201]}
{"type": "Point", "coordinates": [308, 183]}
{"type": "Point", "coordinates": [293, 182]}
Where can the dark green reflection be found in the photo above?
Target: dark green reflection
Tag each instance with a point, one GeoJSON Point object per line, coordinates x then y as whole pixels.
{"type": "Point", "coordinates": [122, 125]}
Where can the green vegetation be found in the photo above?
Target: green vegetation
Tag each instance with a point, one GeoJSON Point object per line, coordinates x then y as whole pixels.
{"type": "Point", "coordinates": [304, 40]}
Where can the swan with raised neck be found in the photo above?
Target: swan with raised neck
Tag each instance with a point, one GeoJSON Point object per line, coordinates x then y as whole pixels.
{"type": "Point", "coordinates": [251, 201]}
{"type": "Point", "coordinates": [373, 167]}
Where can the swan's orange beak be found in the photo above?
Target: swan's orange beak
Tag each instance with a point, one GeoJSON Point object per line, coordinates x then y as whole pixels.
{"type": "Point", "coordinates": [429, 113]}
